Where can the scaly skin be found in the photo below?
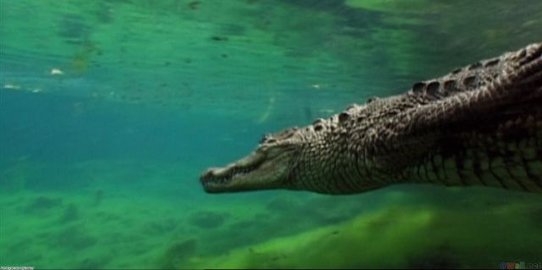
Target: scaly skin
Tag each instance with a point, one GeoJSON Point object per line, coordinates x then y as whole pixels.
{"type": "Point", "coordinates": [479, 125]}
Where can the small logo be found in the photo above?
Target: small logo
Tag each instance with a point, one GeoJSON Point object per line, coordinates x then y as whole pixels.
{"type": "Point", "coordinates": [512, 265]}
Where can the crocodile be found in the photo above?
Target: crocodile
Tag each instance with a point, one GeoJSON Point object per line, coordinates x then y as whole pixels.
{"type": "Point", "coordinates": [480, 125]}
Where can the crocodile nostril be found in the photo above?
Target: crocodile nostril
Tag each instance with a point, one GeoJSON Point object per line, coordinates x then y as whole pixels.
{"type": "Point", "coordinates": [208, 173]}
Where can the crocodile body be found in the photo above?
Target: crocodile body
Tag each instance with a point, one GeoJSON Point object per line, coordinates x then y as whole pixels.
{"type": "Point", "coordinates": [478, 125]}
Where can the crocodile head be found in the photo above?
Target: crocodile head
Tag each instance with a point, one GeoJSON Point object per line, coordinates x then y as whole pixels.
{"type": "Point", "coordinates": [267, 167]}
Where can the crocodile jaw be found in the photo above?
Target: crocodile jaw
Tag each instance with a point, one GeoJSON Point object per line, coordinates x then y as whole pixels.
{"type": "Point", "coordinates": [258, 171]}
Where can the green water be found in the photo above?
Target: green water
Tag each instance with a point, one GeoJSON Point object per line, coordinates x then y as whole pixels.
{"type": "Point", "coordinates": [110, 110]}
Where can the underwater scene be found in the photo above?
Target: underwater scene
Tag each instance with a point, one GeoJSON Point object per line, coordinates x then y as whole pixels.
{"type": "Point", "coordinates": [111, 110]}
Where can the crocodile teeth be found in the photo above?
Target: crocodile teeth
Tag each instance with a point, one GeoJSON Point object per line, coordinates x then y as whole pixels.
{"type": "Point", "coordinates": [225, 177]}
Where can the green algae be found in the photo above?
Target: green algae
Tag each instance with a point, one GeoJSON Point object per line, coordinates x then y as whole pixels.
{"type": "Point", "coordinates": [399, 237]}
{"type": "Point", "coordinates": [207, 219]}
{"type": "Point", "coordinates": [42, 204]}
{"type": "Point", "coordinates": [176, 254]}
{"type": "Point", "coordinates": [403, 226]}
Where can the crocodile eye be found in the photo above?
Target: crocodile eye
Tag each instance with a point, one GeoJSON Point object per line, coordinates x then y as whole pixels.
{"type": "Point", "coordinates": [371, 99]}
{"type": "Point", "coordinates": [267, 139]}
{"type": "Point", "coordinates": [264, 138]}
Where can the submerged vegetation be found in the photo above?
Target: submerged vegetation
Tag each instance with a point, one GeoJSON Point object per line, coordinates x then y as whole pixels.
{"type": "Point", "coordinates": [419, 226]}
